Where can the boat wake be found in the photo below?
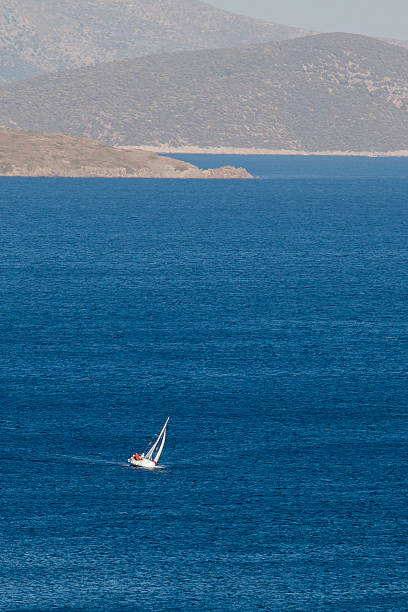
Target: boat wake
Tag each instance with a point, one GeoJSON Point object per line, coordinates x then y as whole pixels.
{"type": "Point", "coordinates": [104, 462]}
{"type": "Point", "coordinates": [93, 461]}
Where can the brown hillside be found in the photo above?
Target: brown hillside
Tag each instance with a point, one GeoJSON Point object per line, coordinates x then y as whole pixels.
{"type": "Point", "coordinates": [25, 153]}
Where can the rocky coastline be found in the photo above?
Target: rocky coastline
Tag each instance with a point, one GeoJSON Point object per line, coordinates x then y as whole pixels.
{"type": "Point", "coordinates": [39, 154]}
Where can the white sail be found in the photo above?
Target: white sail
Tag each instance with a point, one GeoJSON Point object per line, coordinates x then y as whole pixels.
{"type": "Point", "coordinates": [159, 452]}
{"type": "Point", "coordinates": [161, 436]}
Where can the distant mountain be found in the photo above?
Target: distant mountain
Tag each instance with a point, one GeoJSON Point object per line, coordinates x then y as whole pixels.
{"type": "Point", "coordinates": [326, 92]}
{"type": "Point", "coordinates": [393, 41]}
{"type": "Point", "coordinates": [25, 153]}
{"type": "Point", "coordinates": [39, 36]}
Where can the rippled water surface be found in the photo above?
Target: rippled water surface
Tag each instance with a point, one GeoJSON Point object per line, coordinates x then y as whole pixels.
{"type": "Point", "coordinates": [269, 320]}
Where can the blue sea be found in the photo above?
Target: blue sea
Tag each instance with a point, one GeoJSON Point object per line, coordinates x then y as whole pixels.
{"type": "Point", "coordinates": [269, 320]}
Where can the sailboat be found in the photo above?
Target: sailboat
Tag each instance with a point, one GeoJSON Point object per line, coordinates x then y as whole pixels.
{"type": "Point", "coordinates": [152, 456]}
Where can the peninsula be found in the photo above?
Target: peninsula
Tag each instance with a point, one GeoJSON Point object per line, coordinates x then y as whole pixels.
{"type": "Point", "coordinates": [26, 153]}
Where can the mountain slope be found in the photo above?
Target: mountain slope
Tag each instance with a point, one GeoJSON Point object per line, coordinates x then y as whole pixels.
{"type": "Point", "coordinates": [25, 153]}
{"type": "Point", "coordinates": [41, 36]}
{"type": "Point", "coordinates": [393, 41]}
{"type": "Point", "coordinates": [326, 92]}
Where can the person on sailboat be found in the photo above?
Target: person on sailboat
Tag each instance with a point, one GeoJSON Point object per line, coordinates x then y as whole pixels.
{"type": "Point", "coordinates": [138, 457]}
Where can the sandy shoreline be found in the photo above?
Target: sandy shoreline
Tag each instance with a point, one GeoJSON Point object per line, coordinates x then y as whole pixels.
{"type": "Point", "coordinates": [187, 150]}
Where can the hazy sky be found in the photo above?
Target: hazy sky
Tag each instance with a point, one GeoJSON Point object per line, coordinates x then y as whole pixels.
{"type": "Point", "coordinates": [372, 17]}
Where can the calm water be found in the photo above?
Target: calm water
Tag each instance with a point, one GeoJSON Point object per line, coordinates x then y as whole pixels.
{"type": "Point", "coordinates": [297, 166]}
{"type": "Point", "coordinates": [269, 320]}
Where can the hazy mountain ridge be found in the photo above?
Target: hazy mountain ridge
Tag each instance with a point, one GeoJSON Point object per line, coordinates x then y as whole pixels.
{"type": "Point", "coordinates": [338, 92]}
{"type": "Point", "coordinates": [393, 41]}
{"type": "Point", "coordinates": [40, 36]}
{"type": "Point", "coordinates": [24, 153]}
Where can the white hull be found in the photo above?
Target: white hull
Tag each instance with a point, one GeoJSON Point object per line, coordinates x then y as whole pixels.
{"type": "Point", "coordinates": [143, 463]}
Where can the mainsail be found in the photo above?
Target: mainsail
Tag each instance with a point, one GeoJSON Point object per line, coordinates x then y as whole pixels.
{"type": "Point", "coordinates": [161, 438]}
{"type": "Point", "coordinates": [159, 452]}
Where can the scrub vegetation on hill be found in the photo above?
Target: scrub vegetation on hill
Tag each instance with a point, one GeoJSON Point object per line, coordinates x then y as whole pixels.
{"type": "Point", "coordinates": [339, 92]}
{"type": "Point", "coordinates": [40, 36]}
